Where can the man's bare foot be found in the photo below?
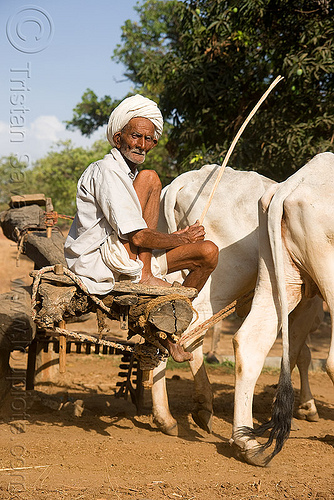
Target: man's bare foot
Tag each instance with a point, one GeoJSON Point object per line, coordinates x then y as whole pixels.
{"type": "Point", "coordinates": [152, 280]}
{"type": "Point", "coordinates": [176, 351]}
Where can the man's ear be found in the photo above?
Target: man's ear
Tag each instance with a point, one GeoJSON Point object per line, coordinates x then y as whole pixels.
{"type": "Point", "coordinates": [117, 139]}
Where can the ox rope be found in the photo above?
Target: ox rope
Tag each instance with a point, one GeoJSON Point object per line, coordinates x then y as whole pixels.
{"type": "Point", "coordinates": [196, 333]}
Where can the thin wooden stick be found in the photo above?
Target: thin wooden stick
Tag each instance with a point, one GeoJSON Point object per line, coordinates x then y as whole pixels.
{"type": "Point", "coordinates": [235, 140]}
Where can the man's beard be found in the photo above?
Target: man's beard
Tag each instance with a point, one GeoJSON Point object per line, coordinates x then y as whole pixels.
{"type": "Point", "coordinates": [138, 158]}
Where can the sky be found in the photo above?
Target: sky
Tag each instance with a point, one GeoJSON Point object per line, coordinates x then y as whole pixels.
{"type": "Point", "coordinates": [51, 52]}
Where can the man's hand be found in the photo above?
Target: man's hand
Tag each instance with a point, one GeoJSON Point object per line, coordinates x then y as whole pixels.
{"type": "Point", "coordinates": [193, 233]}
{"type": "Point", "coordinates": [149, 238]}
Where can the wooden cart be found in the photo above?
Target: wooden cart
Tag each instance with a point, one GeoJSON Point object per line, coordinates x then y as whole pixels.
{"type": "Point", "coordinates": [58, 296]}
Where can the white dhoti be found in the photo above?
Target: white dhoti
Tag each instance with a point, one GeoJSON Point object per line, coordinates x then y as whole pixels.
{"type": "Point", "coordinates": [117, 259]}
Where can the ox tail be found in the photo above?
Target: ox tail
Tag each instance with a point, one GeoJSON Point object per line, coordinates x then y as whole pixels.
{"type": "Point", "coordinates": [279, 425]}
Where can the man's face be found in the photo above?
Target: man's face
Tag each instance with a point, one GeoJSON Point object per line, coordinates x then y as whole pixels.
{"type": "Point", "coordinates": [136, 140]}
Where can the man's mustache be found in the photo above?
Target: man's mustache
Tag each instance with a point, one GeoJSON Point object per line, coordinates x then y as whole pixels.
{"type": "Point", "coordinates": [138, 151]}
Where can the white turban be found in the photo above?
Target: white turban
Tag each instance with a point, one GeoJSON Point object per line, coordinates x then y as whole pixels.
{"type": "Point", "coordinates": [134, 107]}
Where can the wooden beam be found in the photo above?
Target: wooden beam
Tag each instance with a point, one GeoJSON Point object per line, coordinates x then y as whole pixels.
{"type": "Point", "coordinates": [62, 349]}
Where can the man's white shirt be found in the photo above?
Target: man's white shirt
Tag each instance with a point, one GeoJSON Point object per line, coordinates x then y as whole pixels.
{"type": "Point", "coordinates": [106, 202]}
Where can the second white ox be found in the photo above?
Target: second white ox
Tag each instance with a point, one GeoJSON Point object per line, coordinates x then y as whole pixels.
{"type": "Point", "coordinates": [232, 223]}
{"type": "Point", "coordinates": [296, 264]}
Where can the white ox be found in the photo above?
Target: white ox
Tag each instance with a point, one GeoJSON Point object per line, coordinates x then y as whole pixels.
{"type": "Point", "coordinates": [296, 263]}
{"type": "Point", "coordinates": [232, 223]}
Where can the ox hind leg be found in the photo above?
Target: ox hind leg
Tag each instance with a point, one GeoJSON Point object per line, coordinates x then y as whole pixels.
{"type": "Point", "coordinates": [328, 295]}
{"type": "Point", "coordinates": [323, 273]}
{"type": "Point", "coordinates": [304, 320]}
{"type": "Point", "coordinates": [307, 409]}
{"type": "Point", "coordinates": [252, 343]}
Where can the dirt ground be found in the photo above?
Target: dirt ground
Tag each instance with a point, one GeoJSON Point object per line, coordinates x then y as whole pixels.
{"type": "Point", "coordinates": [74, 440]}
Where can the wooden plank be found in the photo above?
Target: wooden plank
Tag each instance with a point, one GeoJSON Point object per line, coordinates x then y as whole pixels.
{"type": "Point", "coordinates": [30, 377]}
{"type": "Point", "coordinates": [130, 288]}
{"type": "Point", "coordinates": [57, 278]}
{"type": "Point", "coordinates": [27, 199]}
{"type": "Point", "coordinates": [126, 300]}
{"type": "Point", "coordinates": [122, 287]}
{"type": "Point", "coordinates": [62, 349]}
{"type": "Point", "coordinates": [46, 367]}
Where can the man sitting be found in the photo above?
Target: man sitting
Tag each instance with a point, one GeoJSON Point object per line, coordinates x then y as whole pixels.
{"type": "Point", "coordinates": [113, 235]}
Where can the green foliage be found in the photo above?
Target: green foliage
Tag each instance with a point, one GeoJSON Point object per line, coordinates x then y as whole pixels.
{"type": "Point", "coordinates": [174, 365]}
{"type": "Point", "coordinates": [91, 113]}
{"type": "Point", "coordinates": [146, 44]}
{"type": "Point", "coordinates": [214, 70]}
{"type": "Point", "coordinates": [56, 175]}
{"type": "Point", "coordinates": [208, 62]}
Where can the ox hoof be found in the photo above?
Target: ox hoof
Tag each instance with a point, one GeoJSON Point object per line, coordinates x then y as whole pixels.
{"type": "Point", "coordinates": [248, 452]}
{"type": "Point", "coordinates": [170, 430]}
{"type": "Point", "coordinates": [203, 418]}
{"type": "Point", "coordinates": [211, 358]}
{"type": "Point", "coordinates": [308, 411]}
